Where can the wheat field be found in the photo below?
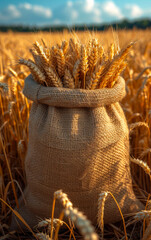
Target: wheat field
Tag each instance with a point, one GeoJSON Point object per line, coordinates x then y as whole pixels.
{"type": "Point", "coordinates": [14, 115]}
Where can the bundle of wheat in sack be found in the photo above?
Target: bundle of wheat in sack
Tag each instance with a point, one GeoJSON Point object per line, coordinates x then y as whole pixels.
{"type": "Point", "coordinates": [78, 134]}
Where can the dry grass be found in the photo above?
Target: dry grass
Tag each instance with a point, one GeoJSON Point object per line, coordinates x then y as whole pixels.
{"type": "Point", "coordinates": [14, 107]}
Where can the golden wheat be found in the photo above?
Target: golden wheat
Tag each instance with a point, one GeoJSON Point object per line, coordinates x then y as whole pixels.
{"type": "Point", "coordinates": [14, 108]}
{"type": "Point", "coordinates": [83, 60]}
{"type": "Point", "coordinates": [77, 217]}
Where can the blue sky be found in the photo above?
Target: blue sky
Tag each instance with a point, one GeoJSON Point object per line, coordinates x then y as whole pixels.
{"type": "Point", "coordinates": [68, 12]}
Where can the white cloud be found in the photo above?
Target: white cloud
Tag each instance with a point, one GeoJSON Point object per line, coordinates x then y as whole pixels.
{"type": "Point", "coordinates": [134, 10]}
{"type": "Point", "coordinates": [89, 5]}
{"type": "Point", "coordinates": [25, 13]}
{"type": "Point", "coordinates": [56, 22]}
{"type": "Point", "coordinates": [70, 12]}
{"type": "Point", "coordinates": [78, 12]}
{"type": "Point", "coordinates": [42, 11]}
{"type": "Point", "coordinates": [26, 6]}
{"type": "Point", "coordinates": [11, 12]}
{"type": "Point", "coordinates": [69, 4]}
{"type": "Point", "coordinates": [74, 14]}
{"type": "Point", "coordinates": [111, 9]}
{"type": "Point", "coordinates": [37, 9]}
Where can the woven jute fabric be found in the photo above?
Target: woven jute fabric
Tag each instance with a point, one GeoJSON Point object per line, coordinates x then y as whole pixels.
{"type": "Point", "coordinates": [78, 142]}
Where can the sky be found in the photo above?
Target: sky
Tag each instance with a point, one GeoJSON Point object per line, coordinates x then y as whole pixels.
{"type": "Point", "coordinates": [70, 12]}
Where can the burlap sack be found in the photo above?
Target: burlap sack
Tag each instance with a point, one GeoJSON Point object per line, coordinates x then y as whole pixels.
{"type": "Point", "coordinates": [78, 142]}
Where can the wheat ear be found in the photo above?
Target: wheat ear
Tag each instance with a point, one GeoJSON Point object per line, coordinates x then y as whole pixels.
{"type": "Point", "coordinates": [77, 217]}
{"type": "Point", "coordinates": [35, 71]}
{"type": "Point", "coordinates": [145, 214]}
{"type": "Point", "coordinates": [41, 53]}
{"type": "Point", "coordinates": [76, 73]}
{"type": "Point", "coordinates": [101, 203]}
{"type": "Point", "coordinates": [93, 82]}
{"type": "Point", "coordinates": [64, 46]}
{"type": "Point", "coordinates": [93, 58]}
{"type": "Point", "coordinates": [53, 79]}
{"type": "Point", "coordinates": [53, 58]}
{"type": "Point", "coordinates": [42, 236]}
{"type": "Point", "coordinates": [83, 64]}
{"type": "Point", "coordinates": [73, 46]}
{"type": "Point", "coordinates": [111, 52]}
{"type": "Point", "coordinates": [143, 165]}
{"type": "Point", "coordinates": [100, 54]}
{"type": "Point", "coordinates": [115, 62]}
{"type": "Point", "coordinates": [68, 80]}
{"type": "Point", "coordinates": [118, 71]}
{"type": "Point", "coordinates": [37, 60]}
{"type": "Point", "coordinates": [89, 47]}
{"type": "Point", "coordinates": [133, 126]}
{"type": "Point", "coordinates": [92, 52]}
{"type": "Point", "coordinates": [60, 62]}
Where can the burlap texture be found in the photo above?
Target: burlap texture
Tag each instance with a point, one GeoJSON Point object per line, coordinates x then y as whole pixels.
{"type": "Point", "coordinates": [78, 142]}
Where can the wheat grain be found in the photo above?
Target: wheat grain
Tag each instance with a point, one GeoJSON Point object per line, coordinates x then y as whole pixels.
{"type": "Point", "coordinates": [142, 215]}
{"type": "Point", "coordinates": [83, 64]}
{"type": "Point", "coordinates": [77, 217]}
{"type": "Point", "coordinates": [113, 79]}
{"type": "Point", "coordinates": [53, 79]}
{"type": "Point", "coordinates": [38, 61]}
{"type": "Point", "coordinates": [100, 54]}
{"type": "Point", "coordinates": [76, 73]}
{"type": "Point", "coordinates": [142, 164]}
{"type": "Point", "coordinates": [93, 82]}
{"type": "Point", "coordinates": [138, 124]}
{"type": "Point", "coordinates": [111, 52]}
{"type": "Point", "coordinates": [47, 223]}
{"type": "Point", "coordinates": [93, 58]}
{"type": "Point", "coordinates": [42, 236]}
{"type": "Point", "coordinates": [60, 62]}
{"type": "Point", "coordinates": [41, 53]}
{"type": "Point", "coordinates": [101, 203]}
{"type": "Point", "coordinates": [35, 71]}
{"type": "Point", "coordinates": [115, 62]}
{"type": "Point", "coordinates": [64, 46]}
{"type": "Point", "coordinates": [68, 80]}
